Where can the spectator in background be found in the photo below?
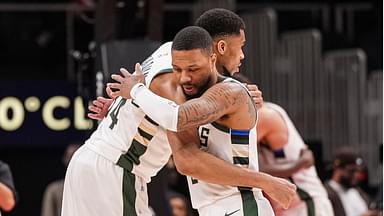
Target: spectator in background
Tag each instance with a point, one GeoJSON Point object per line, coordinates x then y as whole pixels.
{"type": "Point", "coordinates": [346, 198]}
{"type": "Point", "coordinates": [379, 195]}
{"type": "Point", "coordinates": [53, 195]}
{"type": "Point", "coordinates": [178, 191]}
{"type": "Point", "coordinates": [7, 188]}
{"type": "Point", "coordinates": [179, 204]}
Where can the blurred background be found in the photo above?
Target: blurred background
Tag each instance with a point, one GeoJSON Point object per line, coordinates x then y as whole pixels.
{"type": "Point", "coordinates": [320, 60]}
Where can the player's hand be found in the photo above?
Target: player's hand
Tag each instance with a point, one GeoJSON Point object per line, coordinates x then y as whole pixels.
{"type": "Point", "coordinates": [281, 191]}
{"type": "Point", "coordinates": [126, 82]}
{"type": "Point", "coordinates": [256, 94]}
{"type": "Point", "coordinates": [100, 106]}
{"type": "Point", "coordinates": [372, 213]}
{"type": "Point", "coordinates": [307, 158]}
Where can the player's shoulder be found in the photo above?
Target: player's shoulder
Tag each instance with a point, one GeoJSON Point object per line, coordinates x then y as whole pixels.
{"type": "Point", "coordinates": [230, 87]}
{"type": "Point", "coordinates": [270, 118]}
{"type": "Point", "coordinates": [164, 49]}
{"type": "Point", "coordinates": [230, 83]}
{"type": "Point", "coordinates": [164, 85]}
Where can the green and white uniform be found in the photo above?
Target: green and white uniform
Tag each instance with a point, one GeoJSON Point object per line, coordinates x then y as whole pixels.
{"type": "Point", "coordinates": [109, 173]}
{"type": "Point", "coordinates": [309, 187]}
{"type": "Point", "coordinates": [238, 147]}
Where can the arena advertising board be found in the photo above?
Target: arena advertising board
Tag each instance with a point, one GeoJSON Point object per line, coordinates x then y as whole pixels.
{"type": "Point", "coordinates": [42, 113]}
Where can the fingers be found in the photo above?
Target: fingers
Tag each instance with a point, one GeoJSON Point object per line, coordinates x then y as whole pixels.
{"type": "Point", "coordinates": [116, 94]}
{"type": "Point", "coordinates": [252, 87]}
{"type": "Point", "coordinates": [103, 100]}
{"type": "Point", "coordinates": [115, 86]}
{"type": "Point", "coordinates": [94, 116]}
{"type": "Point", "coordinates": [94, 109]}
{"type": "Point", "coordinates": [256, 95]}
{"type": "Point", "coordinates": [109, 91]}
{"type": "Point", "coordinates": [117, 78]}
{"type": "Point", "coordinates": [257, 98]}
{"type": "Point", "coordinates": [138, 69]}
{"type": "Point", "coordinates": [125, 72]}
{"type": "Point", "coordinates": [287, 193]}
{"type": "Point", "coordinates": [97, 103]}
{"type": "Point", "coordinates": [259, 102]}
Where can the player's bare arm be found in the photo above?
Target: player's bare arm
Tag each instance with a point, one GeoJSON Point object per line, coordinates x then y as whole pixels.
{"type": "Point", "coordinates": [273, 132]}
{"type": "Point", "coordinates": [271, 129]}
{"type": "Point", "coordinates": [100, 106]}
{"type": "Point", "coordinates": [219, 101]}
{"type": "Point", "coordinates": [188, 160]}
{"type": "Point", "coordinates": [287, 169]}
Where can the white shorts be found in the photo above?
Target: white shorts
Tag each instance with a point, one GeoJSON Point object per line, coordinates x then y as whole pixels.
{"type": "Point", "coordinates": [236, 205]}
{"type": "Point", "coordinates": [95, 186]}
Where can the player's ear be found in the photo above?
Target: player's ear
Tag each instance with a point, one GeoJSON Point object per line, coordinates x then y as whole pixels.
{"type": "Point", "coordinates": [221, 47]}
{"type": "Point", "coordinates": [213, 59]}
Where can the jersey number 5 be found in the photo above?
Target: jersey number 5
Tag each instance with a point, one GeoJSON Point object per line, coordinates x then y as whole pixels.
{"type": "Point", "coordinates": [203, 142]}
{"type": "Point", "coordinates": [204, 137]}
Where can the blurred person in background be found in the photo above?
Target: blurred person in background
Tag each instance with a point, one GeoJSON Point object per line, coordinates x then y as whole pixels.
{"type": "Point", "coordinates": [179, 204]}
{"type": "Point", "coordinates": [379, 195]}
{"type": "Point", "coordinates": [347, 199]}
{"type": "Point", "coordinates": [283, 153]}
{"type": "Point", "coordinates": [53, 194]}
{"type": "Point", "coordinates": [7, 188]}
{"type": "Point", "coordinates": [177, 184]}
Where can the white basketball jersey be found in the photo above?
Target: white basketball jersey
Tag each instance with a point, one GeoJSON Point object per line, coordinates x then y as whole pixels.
{"type": "Point", "coordinates": [127, 130]}
{"type": "Point", "coordinates": [237, 147]}
{"type": "Point", "coordinates": [305, 179]}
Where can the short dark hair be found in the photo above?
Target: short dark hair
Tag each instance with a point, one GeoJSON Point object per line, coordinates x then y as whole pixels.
{"type": "Point", "coordinates": [220, 22]}
{"type": "Point", "coordinates": [192, 37]}
{"type": "Point", "coordinates": [346, 156]}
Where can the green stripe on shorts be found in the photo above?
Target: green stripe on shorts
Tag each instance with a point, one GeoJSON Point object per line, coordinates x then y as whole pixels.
{"type": "Point", "coordinates": [129, 194]}
{"type": "Point", "coordinates": [308, 201]}
{"type": "Point", "coordinates": [249, 203]}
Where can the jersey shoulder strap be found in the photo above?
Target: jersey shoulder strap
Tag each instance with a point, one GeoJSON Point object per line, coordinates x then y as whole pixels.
{"type": "Point", "coordinates": [159, 62]}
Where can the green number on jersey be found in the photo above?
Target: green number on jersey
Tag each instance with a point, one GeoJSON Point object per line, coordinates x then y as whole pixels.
{"type": "Point", "coordinates": [194, 181]}
{"type": "Point", "coordinates": [115, 111]}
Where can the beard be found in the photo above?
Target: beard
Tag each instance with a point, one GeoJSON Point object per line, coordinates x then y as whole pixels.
{"type": "Point", "coordinates": [200, 90]}
{"type": "Point", "coordinates": [346, 182]}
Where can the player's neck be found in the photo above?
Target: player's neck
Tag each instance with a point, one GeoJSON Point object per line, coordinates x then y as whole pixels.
{"type": "Point", "coordinates": [214, 78]}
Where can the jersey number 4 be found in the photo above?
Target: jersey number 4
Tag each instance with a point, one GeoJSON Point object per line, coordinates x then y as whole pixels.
{"type": "Point", "coordinates": [115, 111]}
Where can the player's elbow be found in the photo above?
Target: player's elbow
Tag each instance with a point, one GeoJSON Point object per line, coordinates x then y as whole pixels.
{"type": "Point", "coordinates": [184, 165]}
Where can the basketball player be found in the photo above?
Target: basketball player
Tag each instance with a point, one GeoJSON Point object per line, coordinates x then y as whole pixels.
{"type": "Point", "coordinates": [227, 31]}
{"type": "Point", "coordinates": [283, 153]}
{"type": "Point", "coordinates": [224, 109]}
{"type": "Point", "coordinates": [108, 175]}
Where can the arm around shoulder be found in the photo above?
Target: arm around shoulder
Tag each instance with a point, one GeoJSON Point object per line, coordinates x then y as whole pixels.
{"type": "Point", "coordinates": [219, 100]}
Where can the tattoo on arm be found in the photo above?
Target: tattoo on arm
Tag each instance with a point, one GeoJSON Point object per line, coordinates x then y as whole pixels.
{"type": "Point", "coordinates": [216, 102]}
{"type": "Point", "coordinates": [252, 110]}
